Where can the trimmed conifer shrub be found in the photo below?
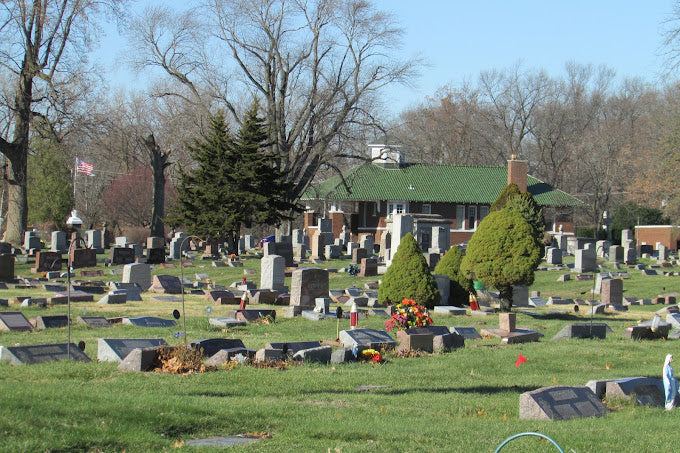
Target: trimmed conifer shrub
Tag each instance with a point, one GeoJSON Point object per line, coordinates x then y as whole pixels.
{"type": "Point", "coordinates": [502, 253]}
{"type": "Point", "coordinates": [409, 277]}
{"type": "Point", "coordinates": [509, 192]}
{"type": "Point", "coordinates": [461, 285]}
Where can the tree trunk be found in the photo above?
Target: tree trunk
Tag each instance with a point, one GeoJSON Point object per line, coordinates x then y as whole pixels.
{"type": "Point", "coordinates": [159, 162]}
{"type": "Point", "coordinates": [506, 298]}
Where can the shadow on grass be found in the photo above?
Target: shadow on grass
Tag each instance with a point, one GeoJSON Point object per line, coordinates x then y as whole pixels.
{"type": "Point", "coordinates": [482, 389]}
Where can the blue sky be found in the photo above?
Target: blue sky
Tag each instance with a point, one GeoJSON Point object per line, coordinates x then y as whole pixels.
{"type": "Point", "coordinates": [460, 38]}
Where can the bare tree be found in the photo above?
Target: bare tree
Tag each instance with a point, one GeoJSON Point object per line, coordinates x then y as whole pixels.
{"type": "Point", "coordinates": [42, 45]}
{"type": "Point", "coordinates": [316, 66]}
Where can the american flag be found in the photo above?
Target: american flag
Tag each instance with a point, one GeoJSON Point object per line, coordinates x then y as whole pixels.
{"type": "Point", "coordinates": [84, 167]}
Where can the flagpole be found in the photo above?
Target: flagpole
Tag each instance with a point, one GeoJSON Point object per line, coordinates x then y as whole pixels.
{"type": "Point", "coordinates": [75, 172]}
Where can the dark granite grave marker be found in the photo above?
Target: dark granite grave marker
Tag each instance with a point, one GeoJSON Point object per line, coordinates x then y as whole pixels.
{"type": "Point", "coordinates": [83, 258]}
{"type": "Point", "coordinates": [293, 346]}
{"type": "Point", "coordinates": [469, 333]}
{"type": "Point", "coordinates": [647, 391]}
{"type": "Point", "coordinates": [369, 267]}
{"type": "Point", "coordinates": [366, 337]}
{"type": "Point", "coordinates": [116, 349]}
{"type": "Point", "coordinates": [211, 346]}
{"type": "Point", "coordinates": [254, 314]}
{"type": "Point", "coordinates": [560, 403]}
{"type": "Point", "coordinates": [47, 261]}
{"type": "Point", "coordinates": [14, 321]}
{"type": "Point", "coordinates": [6, 267]}
{"type": "Point", "coordinates": [149, 321]}
{"type": "Point", "coordinates": [40, 353]}
{"type": "Point", "coordinates": [121, 255]}
{"type": "Point", "coordinates": [51, 322]}
{"type": "Point", "coordinates": [155, 256]}
{"type": "Point", "coordinates": [214, 295]}
{"type": "Point", "coordinates": [168, 284]}
{"type": "Point", "coordinates": [306, 285]}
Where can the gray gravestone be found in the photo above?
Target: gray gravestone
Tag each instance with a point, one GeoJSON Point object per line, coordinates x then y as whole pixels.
{"type": "Point", "coordinates": [469, 333]}
{"type": "Point", "coordinates": [116, 349]}
{"type": "Point", "coordinates": [272, 272]}
{"type": "Point", "coordinates": [585, 260]}
{"type": "Point", "coordinates": [211, 346]}
{"type": "Point", "coordinates": [306, 285]}
{"type": "Point", "coordinates": [553, 256]}
{"type": "Point", "coordinates": [41, 353]}
{"type": "Point", "coordinates": [647, 391]}
{"type": "Point", "coordinates": [94, 322]}
{"type": "Point", "coordinates": [138, 273]}
{"type": "Point", "coordinates": [582, 330]}
{"type": "Point", "coordinates": [58, 242]}
{"type": "Point", "coordinates": [51, 322]}
{"type": "Point", "coordinates": [560, 403]}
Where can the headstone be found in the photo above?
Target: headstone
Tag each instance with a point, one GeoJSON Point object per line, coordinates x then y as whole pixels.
{"type": "Point", "coordinates": [351, 247]}
{"type": "Point", "coordinates": [560, 403]}
{"type": "Point", "coordinates": [139, 274]}
{"type": "Point", "coordinates": [369, 267]}
{"type": "Point", "coordinates": [469, 333]}
{"type": "Point", "coordinates": [585, 260]}
{"type": "Point", "coordinates": [444, 287]}
{"type": "Point", "coordinates": [6, 267]}
{"type": "Point", "coordinates": [332, 251]}
{"type": "Point", "coordinates": [662, 252]}
{"type": "Point", "coordinates": [366, 337]}
{"type": "Point", "coordinates": [155, 242]}
{"type": "Point", "coordinates": [155, 255]}
{"type": "Point", "coordinates": [255, 314]}
{"type": "Point", "coordinates": [602, 248]}
{"type": "Point", "coordinates": [441, 239]}
{"type": "Point", "coordinates": [358, 254]}
{"type": "Point", "coordinates": [121, 255]}
{"type": "Point", "coordinates": [94, 239]}
{"type": "Point", "coordinates": [401, 224]}
{"type": "Point", "coordinates": [293, 346]}
{"type": "Point", "coordinates": [211, 346]}
{"type": "Point", "coordinates": [630, 255]}
{"type": "Point", "coordinates": [560, 241]}
{"type": "Point", "coordinates": [367, 242]}
{"type": "Point", "coordinates": [149, 321]}
{"type": "Point", "coordinates": [140, 359]}
{"type": "Point", "coordinates": [31, 240]}
{"type": "Point", "coordinates": [520, 296]}
{"type": "Point", "coordinates": [647, 391]}
{"type": "Point", "coordinates": [47, 261]}
{"type": "Point", "coordinates": [14, 321]}
{"type": "Point", "coordinates": [615, 254]}
{"type": "Point", "coordinates": [83, 258]}
{"type": "Point", "coordinates": [58, 242]}
{"type": "Point", "coordinates": [41, 353]}
{"type": "Point", "coordinates": [317, 246]}
{"type": "Point", "coordinates": [612, 291]}
{"type": "Point", "coordinates": [51, 322]}
{"type": "Point", "coordinates": [553, 256]}
{"type": "Point", "coordinates": [94, 322]}
{"type": "Point", "coordinates": [166, 284]}
{"type": "Point", "coordinates": [113, 298]}
{"type": "Point", "coordinates": [582, 330]}
{"type": "Point", "coordinates": [320, 354]}
{"type": "Point", "coordinates": [306, 285]}
{"type": "Point", "coordinates": [272, 272]}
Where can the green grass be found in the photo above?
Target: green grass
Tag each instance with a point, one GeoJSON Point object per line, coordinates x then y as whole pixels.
{"type": "Point", "coordinates": [466, 400]}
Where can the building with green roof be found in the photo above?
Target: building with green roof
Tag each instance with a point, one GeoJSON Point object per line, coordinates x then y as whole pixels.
{"type": "Point", "coordinates": [369, 194]}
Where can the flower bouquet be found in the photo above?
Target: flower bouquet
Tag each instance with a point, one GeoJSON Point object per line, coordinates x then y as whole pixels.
{"type": "Point", "coordinates": [408, 314]}
{"type": "Point", "coordinates": [372, 355]}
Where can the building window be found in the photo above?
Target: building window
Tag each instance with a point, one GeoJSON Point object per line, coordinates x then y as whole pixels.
{"type": "Point", "coordinates": [483, 212]}
{"type": "Point", "coordinates": [374, 210]}
{"type": "Point", "coordinates": [472, 217]}
{"type": "Point", "coordinates": [460, 217]}
{"type": "Point", "coordinates": [427, 209]}
{"type": "Point", "coordinates": [425, 241]}
{"type": "Point", "coordinates": [396, 208]}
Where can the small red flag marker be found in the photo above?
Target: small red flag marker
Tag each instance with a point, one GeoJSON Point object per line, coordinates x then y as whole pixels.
{"type": "Point", "coordinates": [520, 360]}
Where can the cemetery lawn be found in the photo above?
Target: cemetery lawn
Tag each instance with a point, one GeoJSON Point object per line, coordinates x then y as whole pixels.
{"type": "Point", "coordinates": [466, 400]}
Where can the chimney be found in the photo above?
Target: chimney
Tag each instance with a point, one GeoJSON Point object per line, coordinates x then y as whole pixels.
{"type": "Point", "coordinates": [517, 172]}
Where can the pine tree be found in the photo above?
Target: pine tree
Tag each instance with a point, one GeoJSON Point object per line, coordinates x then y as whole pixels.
{"type": "Point", "coordinates": [409, 277]}
{"type": "Point", "coordinates": [235, 182]}
{"type": "Point", "coordinates": [510, 191]}
{"type": "Point", "coordinates": [49, 186]}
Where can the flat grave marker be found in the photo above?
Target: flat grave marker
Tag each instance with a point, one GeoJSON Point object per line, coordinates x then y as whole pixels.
{"type": "Point", "coordinates": [94, 322]}
{"type": "Point", "coordinates": [51, 322]}
{"type": "Point", "coordinates": [40, 353]}
{"type": "Point", "coordinates": [116, 349]}
{"type": "Point", "coordinates": [366, 337]}
{"type": "Point", "coordinates": [560, 403]}
{"type": "Point", "coordinates": [14, 321]}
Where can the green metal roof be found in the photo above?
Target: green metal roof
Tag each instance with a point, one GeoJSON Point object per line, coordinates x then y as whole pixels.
{"type": "Point", "coordinates": [431, 183]}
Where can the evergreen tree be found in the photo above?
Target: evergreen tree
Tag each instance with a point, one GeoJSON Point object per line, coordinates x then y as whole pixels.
{"type": "Point", "coordinates": [502, 253]}
{"type": "Point", "coordinates": [525, 204]}
{"type": "Point", "coordinates": [205, 205]}
{"type": "Point", "coordinates": [409, 277]}
{"type": "Point", "coordinates": [510, 191]}
{"type": "Point", "coordinates": [461, 285]}
{"type": "Point", "coordinates": [234, 182]}
{"type": "Point", "coordinates": [50, 187]}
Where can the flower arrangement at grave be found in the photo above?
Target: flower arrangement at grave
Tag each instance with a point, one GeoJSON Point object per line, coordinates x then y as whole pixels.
{"type": "Point", "coordinates": [408, 314]}
{"type": "Point", "coordinates": [372, 355]}
{"type": "Point", "coordinates": [353, 270]}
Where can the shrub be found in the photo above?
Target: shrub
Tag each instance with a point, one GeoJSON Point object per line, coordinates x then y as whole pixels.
{"type": "Point", "coordinates": [409, 277]}
{"type": "Point", "coordinates": [461, 285]}
{"type": "Point", "coordinates": [509, 192]}
{"type": "Point", "coordinates": [502, 253]}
